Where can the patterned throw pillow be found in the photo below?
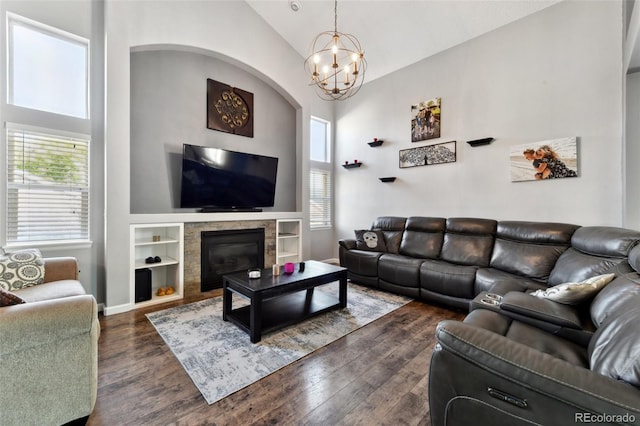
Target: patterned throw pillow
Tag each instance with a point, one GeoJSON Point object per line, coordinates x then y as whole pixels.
{"type": "Point", "coordinates": [575, 293]}
{"type": "Point", "coordinates": [371, 240]}
{"type": "Point", "coordinates": [21, 269]}
{"type": "Point", "coordinates": [8, 298]}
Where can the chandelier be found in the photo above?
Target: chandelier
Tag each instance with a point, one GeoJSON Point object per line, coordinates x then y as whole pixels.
{"type": "Point", "coordinates": [336, 63]}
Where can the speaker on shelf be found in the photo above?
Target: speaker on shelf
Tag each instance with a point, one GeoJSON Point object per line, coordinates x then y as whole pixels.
{"type": "Point", "coordinates": [143, 285]}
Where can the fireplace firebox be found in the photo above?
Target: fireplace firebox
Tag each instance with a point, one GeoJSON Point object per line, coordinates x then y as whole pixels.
{"type": "Point", "coordinates": [228, 251]}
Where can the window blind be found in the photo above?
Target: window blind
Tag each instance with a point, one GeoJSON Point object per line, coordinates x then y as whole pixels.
{"type": "Point", "coordinates": [47, 187]}
{"type": "Point", "coordinates": [320, 198]}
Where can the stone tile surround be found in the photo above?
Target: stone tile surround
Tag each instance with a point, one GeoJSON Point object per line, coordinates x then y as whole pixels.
{"type": "Point", "coordinates": [192, 241]}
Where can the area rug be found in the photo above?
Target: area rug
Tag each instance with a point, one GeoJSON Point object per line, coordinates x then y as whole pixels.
{"type": "Point", "coordinates": [221, 360]}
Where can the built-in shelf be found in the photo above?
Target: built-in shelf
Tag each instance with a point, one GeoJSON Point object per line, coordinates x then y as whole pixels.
{"type": "Point", "coordinates": [375, 142]}
{"type": "Point", "coordinates": [162, 240]}
{"type": "Point", "coordinates": [387, 179]}
{"type": "Point", "coordinates": [288, 241]}
{"type": "Point", "coordinates": [351, 165]}
{"type": "Point", "coordinates": [480, 142]}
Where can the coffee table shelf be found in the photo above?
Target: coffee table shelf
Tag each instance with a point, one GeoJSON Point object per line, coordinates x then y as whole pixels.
{"type": "Point", "coordinates": [286, 310]}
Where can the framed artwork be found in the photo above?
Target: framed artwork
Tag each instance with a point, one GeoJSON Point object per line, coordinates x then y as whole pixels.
{"type": "Point", "coordinates": [427, 155]}
{"type": "Point", "coordinates": [425, 120]}
{"type": "Point", "coordinates": [229, 109]}
{"type": "Point", "coordinates": [552, 159]}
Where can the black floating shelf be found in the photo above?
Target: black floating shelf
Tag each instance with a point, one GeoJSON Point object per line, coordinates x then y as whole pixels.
{"type": "Point", "coordinates": [376, 143]}
{"type": "Point", "coordinates": [480, 142]}
{"type": "Point", "coordinates": [351, 165]}
{"type": "Point", "coordinates": [387, 179]}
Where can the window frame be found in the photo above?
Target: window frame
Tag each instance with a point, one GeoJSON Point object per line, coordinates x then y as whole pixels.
{"type": "Point", "coordinates": [12, 20]}
{"type": "Point", "coordinates": [325, 167]}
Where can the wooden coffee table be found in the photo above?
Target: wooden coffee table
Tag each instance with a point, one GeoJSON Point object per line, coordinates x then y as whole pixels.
{"type": "Point", "coordinates": [279, 301]}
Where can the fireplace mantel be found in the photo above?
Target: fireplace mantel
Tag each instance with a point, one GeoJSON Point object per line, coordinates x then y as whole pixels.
{"type": "Point", "coordinates": [211, 217]}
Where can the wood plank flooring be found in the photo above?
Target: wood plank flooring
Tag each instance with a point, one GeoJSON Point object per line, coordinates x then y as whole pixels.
{"type": "Point", "coordinates": [375, 375]}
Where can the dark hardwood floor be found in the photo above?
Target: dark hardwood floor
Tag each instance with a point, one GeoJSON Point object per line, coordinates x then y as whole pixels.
{"type": "Point", "coordinates": [375, 375]}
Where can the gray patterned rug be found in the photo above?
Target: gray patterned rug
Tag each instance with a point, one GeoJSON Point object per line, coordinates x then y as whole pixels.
{"type": "Point", "coordinates": [221, 360]}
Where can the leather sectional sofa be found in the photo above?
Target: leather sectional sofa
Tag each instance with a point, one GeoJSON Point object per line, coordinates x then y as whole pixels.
{"type": "Point", "coordinates": [516, 358]}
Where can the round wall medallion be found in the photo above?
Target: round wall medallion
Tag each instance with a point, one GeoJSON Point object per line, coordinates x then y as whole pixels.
{"type": "Point", "coordinates": [232, 109]}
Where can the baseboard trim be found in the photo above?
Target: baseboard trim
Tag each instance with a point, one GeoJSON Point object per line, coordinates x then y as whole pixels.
{"type": "Point", "coordinates": [118, 309]}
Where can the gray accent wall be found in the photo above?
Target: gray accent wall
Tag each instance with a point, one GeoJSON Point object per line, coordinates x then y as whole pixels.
{"type": "Point", "coordinates": [168, 108]}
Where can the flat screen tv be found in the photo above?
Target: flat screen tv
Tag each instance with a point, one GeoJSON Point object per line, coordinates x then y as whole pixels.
{"type": "Point", "coordinates": [217, 179]}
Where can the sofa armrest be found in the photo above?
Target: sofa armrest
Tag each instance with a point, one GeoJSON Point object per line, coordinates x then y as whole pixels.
{"type": "Point", "coordinates": [555, 391]}
{"type": "Point", "coordinates": [34, 324]}
{"type": "Point", "coordinates": [60, 268]}
{"type": "Point", "coordinates": [348, 243]}
{"type": "Point", "coordinates": [540, 309]}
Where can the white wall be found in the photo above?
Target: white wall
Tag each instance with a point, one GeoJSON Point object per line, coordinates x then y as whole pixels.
{"type": "Point", "coordinates": [553, 74]}
{"type": "Point", "coordinates": [632, 154]}
{"type": "Point", "coordinates": [227, 29]}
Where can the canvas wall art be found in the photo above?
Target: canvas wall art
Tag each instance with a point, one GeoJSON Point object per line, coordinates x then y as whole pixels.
{"type": "Point", "coordinates": [428, 155]}
{"type": "Point", "coordinates": [552, 159]}
{"type": "Point", "coordinates": [229, 109]}
{"type": "Point", "coordinates": [425, 120]}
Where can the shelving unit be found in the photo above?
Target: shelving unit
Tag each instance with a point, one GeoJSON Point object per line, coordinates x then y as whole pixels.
{"type": "Point", "coordinates": [351, 165]}
{"type": "Point", "coordinates": [169, 247]}
{"type": "Point", "coordinates": [288, 240]}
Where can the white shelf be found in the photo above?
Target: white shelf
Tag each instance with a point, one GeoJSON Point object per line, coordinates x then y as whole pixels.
{"type": "Point", "coordinates": [288, 240]}
{"type": "Point", "coordinates": [169, 272]}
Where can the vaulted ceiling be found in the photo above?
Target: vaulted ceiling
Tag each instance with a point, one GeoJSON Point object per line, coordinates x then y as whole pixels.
{"type": "Point", "coordinates": [393, 33]}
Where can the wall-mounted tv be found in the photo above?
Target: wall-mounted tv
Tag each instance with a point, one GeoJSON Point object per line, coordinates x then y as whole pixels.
{"type": "Point", "coordinates": [216, 179]}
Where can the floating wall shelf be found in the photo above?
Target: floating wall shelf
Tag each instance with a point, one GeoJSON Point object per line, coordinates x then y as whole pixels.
{"type": "Point", "coordinates": [479, 142]}
{"type": "Point", "coordinates": [351, 165]}
{"type": "Point", "coordinates": [387, 179]}
{"type": "Point", "coordinates": [376, 142]}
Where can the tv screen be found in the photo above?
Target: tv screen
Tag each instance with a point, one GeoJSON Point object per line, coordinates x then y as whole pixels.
{"type": "Point", "coordinates": [217, 178]}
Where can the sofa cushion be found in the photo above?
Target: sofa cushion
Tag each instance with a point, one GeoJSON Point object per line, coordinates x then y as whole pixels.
{"type": "Point", "coordinates": [392, 227]}
{"type": "Point", "coordinates": [448, 279]}
{"type": "Point", "coordinates": [608, 302]}
{"type": "Point", "coordinates": [53, 290]}
{"type": "Point", "coordinates": [530, 249]}
{"type": "Point", "coordinates": [575, 293]}
{"type": "Point", "coordinates": [400, 270]}
{"type": "Point", "coordinates": [371, 240]}
{"type": "Point", "coordinates": [468, 241]}
{"type": "Point", "coordinates": [575, 266]}
{"type": "Point", "coordinates": [21, 269]}
{"type": "Point", "coordinates": [8, 299]}
{"type": "Point", "coordinates": [614, 350]}
{"type": "Point", "coordinates": [423, 237]}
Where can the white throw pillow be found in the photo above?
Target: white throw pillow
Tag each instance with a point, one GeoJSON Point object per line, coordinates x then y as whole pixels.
{"type": "Point", "coordinates": [575, 293]}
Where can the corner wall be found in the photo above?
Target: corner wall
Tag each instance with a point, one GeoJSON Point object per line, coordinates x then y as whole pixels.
{"type": "Point", "coordinates": [554, 74]}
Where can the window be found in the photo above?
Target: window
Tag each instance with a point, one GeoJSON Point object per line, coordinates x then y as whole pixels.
{"type": "Point", "coordinates": [320, 188]}
{"type": "Point", "coordinates": [47, 186]}
{"type": "Point", "coordinates": [48, 69]}
{"type": "Point", "coordinates": [320, 141]}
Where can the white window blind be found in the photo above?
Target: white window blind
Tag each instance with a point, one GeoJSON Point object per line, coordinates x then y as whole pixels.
{"type": "Point", "coordinates": [47, 187]}
{"type": "Point", "coordinates": [320, 198]}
